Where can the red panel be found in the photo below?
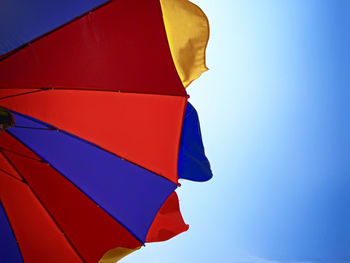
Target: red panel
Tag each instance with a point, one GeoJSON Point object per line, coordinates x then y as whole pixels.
{"type": "Point", "coordinates": [90, 229]}
{"type": "Point", "coordinates": [6, 166]}
{"type": "Point", "coordinates": [40, 241]}
{"type": "Point", "coordinates": [144, 129]}
{"type": "Point", "coordinates": [121, 46]}
{"type": "Point", "coordinates": [168, 222]}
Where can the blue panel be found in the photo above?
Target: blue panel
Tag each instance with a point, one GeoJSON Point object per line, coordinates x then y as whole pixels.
{"type": "Point", "coordinates": [193, 164]}
{"type": "Point", "coordinates": [9, 251]}
{"type": "Point", "coordinates": [129, 193]}
{"type": "Point", "coordinates": [21, 21]}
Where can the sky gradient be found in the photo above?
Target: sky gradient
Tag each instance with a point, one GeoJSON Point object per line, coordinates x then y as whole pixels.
{"type": "Point", "coordinates": [275, 123]}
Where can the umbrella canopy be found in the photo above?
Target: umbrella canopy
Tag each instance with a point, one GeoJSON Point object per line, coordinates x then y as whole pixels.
{"type": "Point", "coordinates": [101, 129]}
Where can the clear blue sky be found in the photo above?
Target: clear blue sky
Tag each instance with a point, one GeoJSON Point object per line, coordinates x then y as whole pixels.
{"type": "Point", "coordinates": [274, 111]}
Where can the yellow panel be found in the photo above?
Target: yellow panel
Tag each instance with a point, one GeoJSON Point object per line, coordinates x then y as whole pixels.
{"type": "Point", "coordinates": [116, 254]}
{"type": "Point", "coordinates": [187, 29]}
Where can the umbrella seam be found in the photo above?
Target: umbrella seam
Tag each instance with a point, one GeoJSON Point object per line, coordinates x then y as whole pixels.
{"type": "Point", "coordinates": [24, 93]}
{"type": "Point", "coordinates": [46, 209]}
{"type": "Point", "coordinates": [12, 52]}
{"type": "Point", "coordinates": [179, 141]}
{"type": "Point", "coordinates": [92, 89]}
{"type": "Point", "coordinates": [11, 175]}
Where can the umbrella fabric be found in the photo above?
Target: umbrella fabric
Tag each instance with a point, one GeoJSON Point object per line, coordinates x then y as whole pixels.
{"type": "Point", "coordinates": [193, 164]}
{"type": "Point", "coordinates": [89, 170]}
{"type": "Point", "coordinates": [187, 29]}
{"type": "Point", "coordinates": [100, 51]}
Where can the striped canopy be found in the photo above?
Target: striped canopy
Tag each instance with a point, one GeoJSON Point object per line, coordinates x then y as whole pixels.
{"type": "Point", "coordinates": [103, 129]}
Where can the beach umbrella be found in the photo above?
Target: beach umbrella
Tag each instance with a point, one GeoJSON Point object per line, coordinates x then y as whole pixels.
{"type": "Point", "coordinates": [96, 127]}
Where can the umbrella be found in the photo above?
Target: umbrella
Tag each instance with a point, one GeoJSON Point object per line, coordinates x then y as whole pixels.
{"type": "Point", "coordinates": [96, 126]}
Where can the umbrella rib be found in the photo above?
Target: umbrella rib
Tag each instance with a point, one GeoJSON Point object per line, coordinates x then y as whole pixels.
{"type": "Point", "coordinates": [13, 232]}
{"type": "Point", "coordinates": [45, 208]}
{"type": "Point", "coordinates": [90, 198]}
{"type": "Point", "coordinates": [11, 175]}
{"type": "Point", "coordinates": [6, 172]}
{"type": "Point", "coordinates": [21, 94]}
{"type": "Point", "coordinates": [33, 128]}
{"type": "Point", "coordinates": [20, 154]}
